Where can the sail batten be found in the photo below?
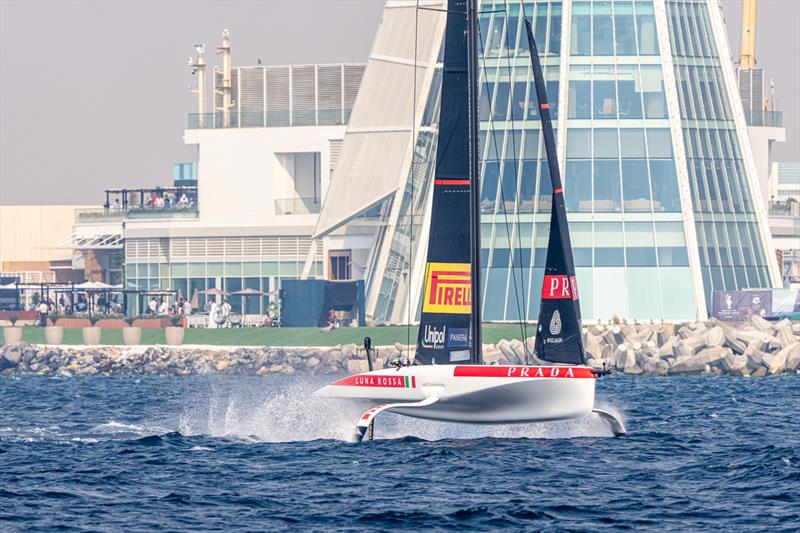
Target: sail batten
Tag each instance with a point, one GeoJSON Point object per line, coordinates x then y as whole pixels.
{"type": "Point", "coordinates": [558, 334]}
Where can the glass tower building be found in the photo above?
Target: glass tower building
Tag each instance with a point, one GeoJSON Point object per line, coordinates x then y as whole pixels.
{"type": "Point", "coordinates": [660, 182]}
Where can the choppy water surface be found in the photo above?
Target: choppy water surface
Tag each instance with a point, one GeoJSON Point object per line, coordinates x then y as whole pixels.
{"type": "Point", "coordinates": [257, 453]}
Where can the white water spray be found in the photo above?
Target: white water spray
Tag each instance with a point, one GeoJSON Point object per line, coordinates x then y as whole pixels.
{"type": "Point", "coordinates": [285, 410]}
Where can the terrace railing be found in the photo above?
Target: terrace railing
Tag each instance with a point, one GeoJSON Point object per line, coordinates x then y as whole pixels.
{"type": "Point", "coordinates": [772, 119]}
{"type": "Point", "coordinates": [173, 211]}
{"type": "Point", "coordinates": [271, 119]}
{"type": "Point", "coordinates": [99, 215]}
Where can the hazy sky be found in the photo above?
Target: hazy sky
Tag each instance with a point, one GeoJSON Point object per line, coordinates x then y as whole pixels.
{"type": "Point", "coordinates": [93, 94]}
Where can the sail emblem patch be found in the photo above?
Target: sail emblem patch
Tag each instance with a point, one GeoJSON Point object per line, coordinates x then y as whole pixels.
{"type": "Point", "coordinates": [447, 288]}
{"type": "Point", "coordinates": [555, 323]}
{"type": "Point", "coordinates": [559, 287]}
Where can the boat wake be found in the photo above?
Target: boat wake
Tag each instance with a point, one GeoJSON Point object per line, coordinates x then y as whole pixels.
{"type": "Point", "coordinates": [292, 413]}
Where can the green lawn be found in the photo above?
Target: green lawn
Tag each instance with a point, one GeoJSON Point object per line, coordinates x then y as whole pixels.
{"type": "Point", "coordinates": [381, 336]}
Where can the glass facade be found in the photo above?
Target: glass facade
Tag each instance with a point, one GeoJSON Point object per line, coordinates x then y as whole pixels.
{"type": "Point", "coordinates": [619, 168]}
{"type": "Point", "coordinates": [148, 266]}
{"type": "Point", "coordinates": [732, 255]}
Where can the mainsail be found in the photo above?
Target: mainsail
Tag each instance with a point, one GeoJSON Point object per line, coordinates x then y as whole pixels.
{"type": "Point", "coordinates": [558, 336]}
{"type": "Point", "coordinates": [446, 333]}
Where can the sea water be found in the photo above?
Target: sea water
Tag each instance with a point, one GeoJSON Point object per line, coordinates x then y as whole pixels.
{"type": "Point", "coordinates": [224, 452]}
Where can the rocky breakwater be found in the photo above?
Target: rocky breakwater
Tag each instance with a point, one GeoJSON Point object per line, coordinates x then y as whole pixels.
{"type": "Point", "coordinates": [753, 348]}
{"type": "Point", "coordinates": [179, 360]}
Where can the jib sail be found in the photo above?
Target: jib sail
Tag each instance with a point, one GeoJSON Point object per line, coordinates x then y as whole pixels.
{"type": "Point", "coordinates": [445, 332]}
{"type": "Point", "coordinates": [558, 335]}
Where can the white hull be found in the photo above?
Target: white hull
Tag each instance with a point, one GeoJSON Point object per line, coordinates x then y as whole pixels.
{"type": "Point", "coordinates": [475, 394]}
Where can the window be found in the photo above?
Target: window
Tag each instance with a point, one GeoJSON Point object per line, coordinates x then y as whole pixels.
{"type": "Point", "coordinates": [606, 186]}
{"type": "Point", "coordinates": [602, 29]}
{"type": "Point", "coordinates": [581, 33]}
{"type": "Point", "coordinates": [605, 99]}
{"type": "Point", "coordinates": [646, 29]}
{"type": "Point", "coordinates": [665, 186]}
{"type": "Point", "coordinates": [580, 99]}
{"type": "Point", "coordinates": [578, 184]}
{"type": "Point", "coordinates": [340, 265]}
{"type": "Point", "coordinates": [491, 176]}
{"type": "Point", "coordinates": [636, 185]}
{"type": "Point", "coordinates": [624, 30]}
{"type": "Point", "coordinates": [298, 183]}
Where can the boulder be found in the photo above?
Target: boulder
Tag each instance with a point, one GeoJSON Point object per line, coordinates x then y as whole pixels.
{"type": "Point", "coordinates": [618, 334]}
{"type": "Point", "coordinates": [519, 350]}
{"type": "Point", "coordinates": [761, 324]}
{"type": "Point", "coordinates": [13, 353]}
{"type": "Point", "coordinates": [357, 366]}
{"type": "Point", "coordinates": [762, 344]}
{"type": "Point", "coordinates": [690, 346]}
{"type": "Point", "coordinates": [715, 336]}
{"type": "Point", "coordinates": [755, 360]}
{"type": "Point", "coordinates": [778, 361]}
{"type": "Point", "coordinates": [633, 362]}
{"type": "Point", "coordinates": [785, 336]}
{"type": "Point", "coordinates": [735, 365]}
{"type": "Point", "coordinates": [594, 349]}
{"type": "Point", "coordinates": [793, 359]}
{"type": "Point", "coordinates": [667, 349]}
{"type": "Point", "coordinates": [759, 372]}
{"type": "Point", "coordinates": [620, 356]}
{"type": "Point", "coordinates": [733, 342]}
{"type": "Point", "coordinates": [349, 351]}
{"type": "Point", "coordinates": [655, 367]}
{"type": "Point", "coordinates": [695, 364]}
{"type": "Point", "coordinates": [509, 356]}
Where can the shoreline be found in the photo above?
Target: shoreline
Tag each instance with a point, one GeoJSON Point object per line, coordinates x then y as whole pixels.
{"type": "Point", "coordinates": [754, 348]}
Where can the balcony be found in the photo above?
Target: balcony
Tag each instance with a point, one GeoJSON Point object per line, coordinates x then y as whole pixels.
{"type": "Point", "coordinates": [159, 202]}
{"type": "Point", "coordinates": [297, 206]}
{"type": "Point", "coordinates": [788, 208]}
{"type": "Point", "coordinates": [271, 119]}
{"type": "Point", "coordinates": [771, 119]}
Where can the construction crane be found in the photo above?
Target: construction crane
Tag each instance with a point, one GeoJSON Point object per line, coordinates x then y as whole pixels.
{"type": "Point", "coordinates": [747, 56]}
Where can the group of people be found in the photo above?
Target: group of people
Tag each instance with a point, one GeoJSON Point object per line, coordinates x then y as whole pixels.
{"type": "Point", "coordinates": [81, 304]}
{"type": "Point", "coordinates": [160, 307]}
{"type": "Point", "coordinates": [160, 201]}
{"type": "Point", "coordinates": [165, 201]}
{"type": "Point", "coordinates": [218, 313]}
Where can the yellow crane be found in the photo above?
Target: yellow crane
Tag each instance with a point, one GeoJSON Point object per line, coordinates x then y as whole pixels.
{"type": "Point", "coordinates": [747, 57]}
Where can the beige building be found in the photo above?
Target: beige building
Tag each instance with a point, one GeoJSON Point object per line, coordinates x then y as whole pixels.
{"type": "Point", "coordinates": [29, 243]}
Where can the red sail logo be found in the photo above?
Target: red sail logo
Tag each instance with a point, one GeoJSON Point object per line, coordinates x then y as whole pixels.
{"type": "Point", "coordinates": [559, 287]}
{"type": "Point", "coordinates": [447, 288]}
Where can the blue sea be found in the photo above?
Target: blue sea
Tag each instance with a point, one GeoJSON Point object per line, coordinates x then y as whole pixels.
{"type": "Point", "coordinates": [239, 453]}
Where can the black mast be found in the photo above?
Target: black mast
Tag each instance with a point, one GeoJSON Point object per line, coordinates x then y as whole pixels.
{"type": "Point", "coordinates": [474, 177]}
{"type": "Point", "coordinates": [450, 323]}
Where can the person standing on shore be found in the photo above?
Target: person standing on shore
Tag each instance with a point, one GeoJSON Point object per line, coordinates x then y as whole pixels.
{"type": "Point", "coordinates": [44, 310]}
{"type": "Point", "coordinates": [212, 314]}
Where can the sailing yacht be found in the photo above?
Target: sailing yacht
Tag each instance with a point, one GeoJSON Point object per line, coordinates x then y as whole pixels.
{"type": "Point", "coordinates": [448, 380]}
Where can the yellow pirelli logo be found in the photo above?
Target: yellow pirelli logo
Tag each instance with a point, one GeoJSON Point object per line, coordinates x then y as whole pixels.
{"type": "Point", "coordinates": [447, 288]}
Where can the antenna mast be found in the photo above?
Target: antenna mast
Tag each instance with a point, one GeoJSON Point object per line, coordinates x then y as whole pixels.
{"type": "Point", "coordinates": [198, 65]}
{"type": "Point", "coordinates": [227, 103]}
